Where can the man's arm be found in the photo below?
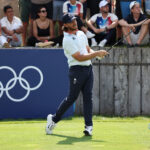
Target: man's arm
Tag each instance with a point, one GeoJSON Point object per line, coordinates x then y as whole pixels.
{"type": "Point", "coordinates": [124, 23]}
{"type": "Point", "coordinates": [91, 26]}
{"type": "Point", "coordinates": [113, 25]}
{"type": "Point", "coordinates": [7, 32]}
{"type": "Point", "coordinates": [19, 30]}
{"type": "Point", "coordinates": [83, 57]}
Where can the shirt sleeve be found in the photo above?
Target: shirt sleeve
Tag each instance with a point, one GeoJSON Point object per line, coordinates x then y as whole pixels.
{"type": "Point", "coordinates": [3, 23]}
{"type": "Point", "coordinates": [93, 18]}
{"type": "Point", "coordinates": [114, 17]}
{"type": "Point", "coordinates": [81, 10]}
{"type": "Point", "coordinates": [19, 22]}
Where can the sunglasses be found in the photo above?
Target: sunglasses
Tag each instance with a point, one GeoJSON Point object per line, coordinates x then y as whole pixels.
{"type": "Point", "coordinates": [43, 11]}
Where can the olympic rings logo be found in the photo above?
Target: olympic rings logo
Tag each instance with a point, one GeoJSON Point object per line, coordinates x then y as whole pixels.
{"type": "Point", "coordinates": [22, 81]}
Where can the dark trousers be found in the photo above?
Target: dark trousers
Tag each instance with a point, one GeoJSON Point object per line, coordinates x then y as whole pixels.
{"type": "Point", "coordinates": [110, 36]}
{"type": "Point", "coordinates": [81, 79]}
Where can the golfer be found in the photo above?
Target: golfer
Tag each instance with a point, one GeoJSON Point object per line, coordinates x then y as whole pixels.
{"type": "Point", "coordinates": [79, 57]}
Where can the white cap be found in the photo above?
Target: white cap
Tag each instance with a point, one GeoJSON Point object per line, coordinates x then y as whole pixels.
{"type": "Point", "coordinates": [133, 3]}
{"type": "Point", "coordinates": [103, 3]}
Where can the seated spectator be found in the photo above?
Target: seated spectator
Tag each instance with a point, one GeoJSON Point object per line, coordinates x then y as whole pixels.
{"type": "Point", "coordinates": [43, 29]}
{"type": "Point", "coordinates": [93, 5]}
{"type": "Point", "coordinates": [75, 8]}
{"type": "Point", "coordinates": [124, 5]}
{"type": "Point", "coordinates": [11, 27]}
{"type": "Point", "coordinates": [135, 22]}
{"type": "Point", "coordinates": [105, 28]}
{"type": "Point", "coordinates": [35, 5]}
{"type": "Point", "coordinates": [3, 40]}
{"type": "Point", "coordinates": [25, 12]}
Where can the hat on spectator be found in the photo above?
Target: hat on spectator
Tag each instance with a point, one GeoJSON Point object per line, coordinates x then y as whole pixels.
{"type": "Point", "coordinates": [67, 18]}
{"type": "Point", "coordinates": [103, 3]}
{"type": "Point", "coordinates": [133, 3]}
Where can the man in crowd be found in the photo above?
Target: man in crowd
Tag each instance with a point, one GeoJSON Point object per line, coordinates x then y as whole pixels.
{"type": "Point", "coordinates": [105, 28]}
{"type": "Point", "coordinates": [75, 8]}
{"type": "Point", "coordinates": [11, 27]}
{"type": "Point", "coordinates": [136, 22]}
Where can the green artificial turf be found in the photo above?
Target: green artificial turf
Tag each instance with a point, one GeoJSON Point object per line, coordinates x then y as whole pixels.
{"type": "Point", "coordinates": [108, 134]}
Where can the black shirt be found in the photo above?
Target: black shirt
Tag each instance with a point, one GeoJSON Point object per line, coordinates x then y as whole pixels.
{"type": "Point", "coordinates": [131, 20]}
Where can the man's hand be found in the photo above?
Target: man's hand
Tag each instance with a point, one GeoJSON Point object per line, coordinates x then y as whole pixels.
{"type": "Point", "coordinates": [99, 30]}
{"type": "Point", "coordinates": [132, 27]}
{"type": "Point", "coordinates": [102, 53]}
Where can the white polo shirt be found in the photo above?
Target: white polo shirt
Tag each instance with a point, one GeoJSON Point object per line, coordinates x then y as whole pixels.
{"type": "Point", "coordinates": [15, 24]}
{"type": "Point", "coordinates": [73, 43]}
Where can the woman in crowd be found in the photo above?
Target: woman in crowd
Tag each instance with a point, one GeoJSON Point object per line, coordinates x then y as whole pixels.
{"type": "Point", "coordinates": [43, 29]}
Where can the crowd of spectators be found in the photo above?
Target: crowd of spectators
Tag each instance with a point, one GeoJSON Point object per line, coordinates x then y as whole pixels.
{"type": "Point", "coordinates": [106, 22]}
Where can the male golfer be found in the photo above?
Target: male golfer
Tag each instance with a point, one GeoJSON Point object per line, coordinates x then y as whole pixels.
{"type": "Point", "coordinates": [79, 57]}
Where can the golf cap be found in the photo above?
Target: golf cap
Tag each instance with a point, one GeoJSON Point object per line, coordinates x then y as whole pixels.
{"type": "Point", "coordinates": [103, 3]}
{"type": "Point", "coordinates": [133, 3]}
{"type": "Point", "coordinates": [67, 18]}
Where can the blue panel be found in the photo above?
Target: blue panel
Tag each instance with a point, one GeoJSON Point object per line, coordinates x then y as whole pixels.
{"type": "Point", "coordinates": [40, 83]}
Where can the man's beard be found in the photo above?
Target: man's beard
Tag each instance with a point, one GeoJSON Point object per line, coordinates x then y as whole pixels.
{"type": "Point", "coordinates": [72, 29]}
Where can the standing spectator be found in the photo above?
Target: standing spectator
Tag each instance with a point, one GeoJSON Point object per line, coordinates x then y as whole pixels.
{"type": "Point", "coordinates": [11, 27]}
{"type": "Point", "coordinates": [25, 10]}
{"type": "Point", "coordinates": [105, 25]}
{"type": "Point", "coordinates": [42, 28]}
{"type": "Point", "coordinates": [58, 13]}
{"type": "Point", "coordinates": [119, 15]}
{"type": "Point", "coordinates": [75, 8]}
{"type": "Point", "coordinates": [134, 22]}
{"type": "Point", "coordinates": [84, 2]}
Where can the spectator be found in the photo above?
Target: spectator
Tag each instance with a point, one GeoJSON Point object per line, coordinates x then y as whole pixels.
{"type": "Point", "coordinates": [119, 15]}
{"type": "Point", "coordinates": [84, 3]}
{"type": "Point", "coordinates": [35, 5]}
{"type": "Point", "coordinates": [134, 22]}
{"type": "Point", "coordinates": [75, 8]}
{"type": "Point", "coordinates": [94, 6]}
{"type": "Point", "coordinates": [3, 40]}
{"type": "Point", "coordinates": [105, 26]}
{"type": "Point", "coordinates": [58, 13]}
{"type": "Point", "coordinates": [24, 8]}
{"type": "Point", "coordinates": [11, 27]}
{"type": "Point", "coordinates": [124, 5]}
{"type": "Point", "coordinates": [42, 28]}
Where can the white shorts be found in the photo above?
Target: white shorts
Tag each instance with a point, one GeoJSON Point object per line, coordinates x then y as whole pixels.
{"type": "Point", "coordinates": [134, 38]}
{"type": "Point", "coordinates": [3, 40]}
